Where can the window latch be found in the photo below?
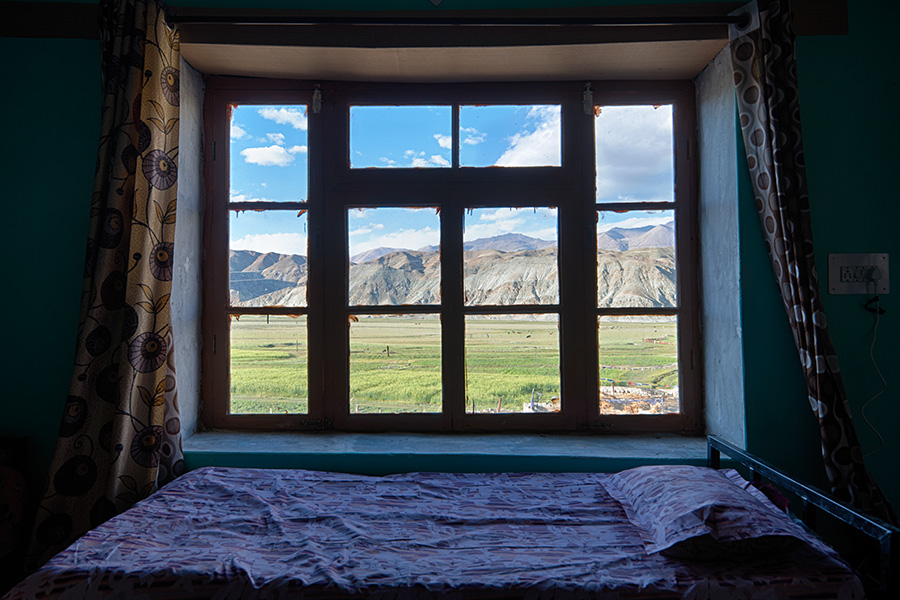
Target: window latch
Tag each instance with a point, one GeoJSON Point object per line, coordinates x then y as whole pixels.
{"type": "Point", "coordinates": [587, 99]}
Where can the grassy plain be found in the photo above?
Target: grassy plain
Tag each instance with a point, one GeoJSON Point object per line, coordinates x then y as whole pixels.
{"type": "Point", "coordinates": [395, 363]}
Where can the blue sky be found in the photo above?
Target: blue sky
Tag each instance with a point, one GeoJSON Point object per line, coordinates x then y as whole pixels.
{"type": "Point", "coordinates": [268, 156]}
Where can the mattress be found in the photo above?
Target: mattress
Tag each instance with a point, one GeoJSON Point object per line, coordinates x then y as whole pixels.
{"type": "Point", "coordinates": [253, 533]}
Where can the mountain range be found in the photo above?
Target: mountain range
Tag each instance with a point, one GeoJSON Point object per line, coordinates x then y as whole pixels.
{"type": "Point", "coordinates": [636, 267]}
{"type": "Point", "coordinates": [649, 236]}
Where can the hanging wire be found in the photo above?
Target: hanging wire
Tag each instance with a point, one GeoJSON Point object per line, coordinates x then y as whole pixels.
{"type": "Point", "coordinates": [877, 310]}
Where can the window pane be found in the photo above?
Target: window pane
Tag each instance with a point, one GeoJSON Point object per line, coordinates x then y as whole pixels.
{"type": "Point", "coordinates": [395, 364]}
{"type": "Point", "coordinates": [267, 258]}
{"type": "Point", "coordinates": [400, 137]}
{"type": "Point", "coordinates": [510, 256]}
{"type": "Point", "coordinates": [268, 365]}
{"type": "Point", "coordinates": [636, 259]}
{"type": "Point", "coordinates": [268, 154]}
{"type": "Point", "coordinates": [510, 136]}
{"type": "Point", "coordinates": [512, 364]}
{"type": "Point", "coordinates": [635, 158]}
{"type": "Point", "coordinates": [395, 256]}
{"type": "Point", "coordinates": [639, 365]}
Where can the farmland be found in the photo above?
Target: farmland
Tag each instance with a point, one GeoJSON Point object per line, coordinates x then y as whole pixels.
{"type": "Point", "coordinates": [512, 365]}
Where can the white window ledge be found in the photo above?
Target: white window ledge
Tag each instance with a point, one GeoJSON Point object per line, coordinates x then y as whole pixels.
{"type": "Point", "coordinates": [382, 453]}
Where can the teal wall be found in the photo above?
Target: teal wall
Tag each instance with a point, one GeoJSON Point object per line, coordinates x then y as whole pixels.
{"type": "Point", "coordinates": [52, 124]}
{"type": "Point", "coordinates": [850, 131]}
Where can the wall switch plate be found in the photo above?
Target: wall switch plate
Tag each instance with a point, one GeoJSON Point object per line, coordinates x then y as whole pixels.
{"type": "Point", "coordinates": [858, 274]}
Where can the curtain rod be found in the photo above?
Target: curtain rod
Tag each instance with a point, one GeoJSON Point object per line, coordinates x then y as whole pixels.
{"type": "Point", "coordinates": [438, 21]}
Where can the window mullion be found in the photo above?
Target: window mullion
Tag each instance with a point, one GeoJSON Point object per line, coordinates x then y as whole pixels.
{"type": "Point", "coordinates": [332, 245]}
{"type": "Point", "coordinates": [454, 149]}
{"type": "Point", "coordinates": [452, 317]}
{"type": "Point", "coordinates": [316, 321]}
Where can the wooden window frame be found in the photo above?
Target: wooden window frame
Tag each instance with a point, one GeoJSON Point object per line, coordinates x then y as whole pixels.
{"type": "Point", "coordinates": [334, 186]}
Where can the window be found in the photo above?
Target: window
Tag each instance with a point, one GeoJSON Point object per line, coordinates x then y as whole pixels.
{"type": "Point", "coordinates": [458, 257]}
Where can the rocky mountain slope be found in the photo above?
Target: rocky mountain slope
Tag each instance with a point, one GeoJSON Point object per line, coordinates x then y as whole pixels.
{"type": "Point", "coordinates": [636, 267]}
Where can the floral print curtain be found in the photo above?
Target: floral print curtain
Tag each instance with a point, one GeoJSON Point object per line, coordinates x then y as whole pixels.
{"type": "Point", "coordinates": [119, 433]}
{"type": "Point", "coordinates": [765, 74]}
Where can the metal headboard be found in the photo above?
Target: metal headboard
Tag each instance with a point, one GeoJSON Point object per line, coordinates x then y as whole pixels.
{"type": "Point", "coordinates": [812, 500]}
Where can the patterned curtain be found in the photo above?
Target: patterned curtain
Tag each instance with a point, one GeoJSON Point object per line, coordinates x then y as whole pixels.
{"type": "Point", "coordinates": [119, 436]}
{"type": "Point", "coordinates": [765, 75]}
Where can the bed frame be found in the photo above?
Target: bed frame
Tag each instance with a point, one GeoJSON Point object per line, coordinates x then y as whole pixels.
{"type": "Point", "coordinates": [878, 566]}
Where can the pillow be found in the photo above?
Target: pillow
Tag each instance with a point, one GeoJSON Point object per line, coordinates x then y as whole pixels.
{"type": "Point", "coordinates": [701, 514]}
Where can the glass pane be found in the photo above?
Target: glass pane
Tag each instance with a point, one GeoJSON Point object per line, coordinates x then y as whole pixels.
{"type": "Point", "coordinates": [635, 158]}
{"type": "Point", "coordinates": [512, 364]}
{"type": "Point", "coordinates": [268, 365]}
{"type": "Point", "coordinates": [395, 256]}
{"type": "Point", "coordinates": [268, 154]}
{"type": "Point", "coordinates": [395, 364]}
{"type": "Point", "coordinates": [636, 259]}
{"type": "Point", "coordinates": [639, 365]}
{"type": "Point", "coordinates": [267, 258]}
{"type": "Point", "coordinates": [400, 137]}
{"type": "Point", "coordinates": [510, 136]}
{"type": "Point", "coordinates": [510, 256]}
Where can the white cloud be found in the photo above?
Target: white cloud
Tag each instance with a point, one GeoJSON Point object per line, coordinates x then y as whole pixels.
{"type": "Point", "coordinates": [474, 138]}
{"type": "Point", "coordinates": [540, 147]}
{"type": "Point", "coordinates": [296, 149]}
{"type": "Point", "coordinates": [237, 196]}
{"type": "Point", "coordinates": [237, 132]}
{"type": "Point", "coordinates": [444, 141]}
{"type": "Point", "coordinates": [634, 154]}
{"type": "Point", "coordinates": [401, 238]}
{"type": "Point", "coordinates": [491, 223]}
{"type": "Point", "coordinates": [549, 234]}
{"type": "Point", "coordinates": [366, 230]}
{"type": "Point", "coordinates": [276, 138]}
{"type": "Point", "coordinates": [294, 117]}
{"type": "Point", "coordinates": [502, 214]}
{"type": "Point", "coordinates": [281, 243]}
{"type": "Point", "coordinates": [417, 160]}
{"type": "Point", "coordinates": [268, 156]}
{"type": "Point", "coordinates": [511, 220]}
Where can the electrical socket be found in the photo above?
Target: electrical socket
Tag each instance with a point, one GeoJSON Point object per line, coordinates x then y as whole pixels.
{"type": "Point", "coordinates": [858, 274]}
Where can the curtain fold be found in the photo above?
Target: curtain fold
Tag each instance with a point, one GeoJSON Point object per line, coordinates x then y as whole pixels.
{"type": "Point", "coordinates": [765, 75]}
{"type": "Point", "coordinates": [119, 436]}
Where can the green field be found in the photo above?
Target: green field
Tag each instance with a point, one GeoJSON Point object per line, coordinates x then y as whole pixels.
{"type": "Point", "coordinates": [268, 365]}
{"type": "Point", "coordinates": [395, 363]}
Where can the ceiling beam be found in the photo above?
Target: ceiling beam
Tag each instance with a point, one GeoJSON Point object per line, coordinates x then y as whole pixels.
{"type": "Point", "coordinates": [78, 20]}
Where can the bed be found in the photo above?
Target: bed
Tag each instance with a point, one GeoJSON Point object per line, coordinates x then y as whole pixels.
{"type": "Point", "coordinates": [649, 532]}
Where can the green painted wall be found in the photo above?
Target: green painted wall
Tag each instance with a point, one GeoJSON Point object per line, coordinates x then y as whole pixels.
{"type": "Point", "coordinates": [53, 121]}
{"type": "Point", "coordinates": [850, 128]}
{"type": "Point", "coordinates": [51, 127]}
{"type": "Point", "coordinates": [849, 112]}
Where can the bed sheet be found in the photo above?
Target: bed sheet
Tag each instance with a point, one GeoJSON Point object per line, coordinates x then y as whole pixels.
{"type": "Point", "coordinates": [253, 533]}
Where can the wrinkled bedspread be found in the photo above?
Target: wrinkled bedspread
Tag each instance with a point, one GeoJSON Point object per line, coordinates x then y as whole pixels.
{"type": "Point", "coordinates": [252, 533]}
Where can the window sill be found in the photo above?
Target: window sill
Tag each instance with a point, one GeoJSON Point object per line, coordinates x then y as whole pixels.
{"type": "Point", "coordinates": [379, 454]}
